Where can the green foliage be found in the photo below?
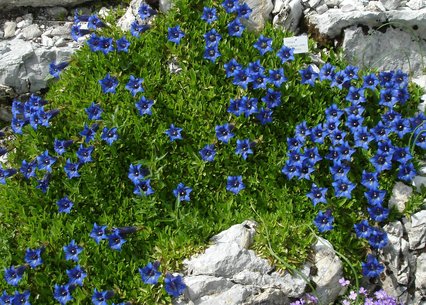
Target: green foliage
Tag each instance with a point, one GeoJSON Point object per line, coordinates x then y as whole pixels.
{"type": "Point", "coordinates": [196, 100]}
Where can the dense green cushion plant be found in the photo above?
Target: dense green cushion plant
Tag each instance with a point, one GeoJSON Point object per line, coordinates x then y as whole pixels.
{"type": "Point", "coordinates": [147, 120]}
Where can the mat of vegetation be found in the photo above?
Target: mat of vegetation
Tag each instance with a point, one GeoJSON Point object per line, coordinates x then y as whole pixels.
{"type": "Point", "coordinates": [127, 162]}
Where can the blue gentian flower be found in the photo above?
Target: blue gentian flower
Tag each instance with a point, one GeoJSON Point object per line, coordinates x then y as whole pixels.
{"type": "Point", "coordinates": [84, 154]}
{"type": "Point", "coordinates": [381, 162]}
{"type": "Point", "coordinates": [351, 72]}
{"type": "Point", "coordinates": [72, 251]}
{"type": "Point", "coordinates": [101, 297]}
{"type": "Point", "coordinates": [354, 122]}
{"type": "Point", "coordinates": [334, 154]}
{"type": "Point", "coordinates": [302, 130]}
{"type": "Point", "coordinates": [370, 81]}
{"type": "Point", "coordinates": [137, 29]}
{"type": "Point", "coordinates": [421, 139]}
{"type": "Point", "coordinates": [272, 99]}
{"type": "Point", "coordinates": [43, 183]}
{"type": "Point", "coordinates": [340, 80]}
{"type": "Point", "coordinates": [80, 18]}
{"type": "Point", "coordinates": [34, 120]}
{"type": "Point", "coordinates": [370, 180]}
{"type": "Point", "coordinates": [277, 77]}
{"type": "Point", "coordinates": [244, 11]}
{"type": "Point", "coordinates": [56, 69]}
{"type": "Point", "coordinates": [401, 127]}
{"type": "Point", "coordinates": [406, 172]}
{"type": "Point", "coordinates": [255, 67]}
{"type": "Point", "coordinates": [76, 276]}
{"type": "Point", "coordinates": [264, 116]}
{"type": "Point", "coordinates": [296, 157]}
{"type": "Point", "coordinates": [331, 125]}
{"type": "Point", "coordinates": [417, 120]}
{"type": "Point", "coordinates": [355, 109]}
{"type": "Point", "coordinates": [337, 137]}
{"type": "Point", "coordinates": [285, 54]}
{"type": "Point", "coordinates": [115, 241]}
{"type": "Point", "coordinates": [144, 106]}
{"type": "Point", "coordinates": [109, 135]}
{"type": "Point", "coordinates": [143, 187]}
{"type": "Point", "coordinates": [259, 80]}
{"type": "Point", "coordinates": [135, 85]}
{"type": "Point", "coordinates": [108, 84]}
{"type": "Point", "coordinates": [362, 229]}
{"type": "Point", "coordinates": [308, 76]}
{"type": "Point", "coordinates": [362, 138]}
{"type": "Point", "coordinates": [339, 170]}
{"type": "Point", "coordinates": [33, 257]}
{"type": "Point", "coordinates": [94, 22]}
{"type": "Point", "coordinates": [77, 32]}
{"type": "Point", "coordinates": [400, 78]}
{"type": "Point", "coordinates": [21, 298]}
{"type": "Point", "coordinates": [318, 134]}
{"type": "Point", "coordinates": [28, 169]}
{"type": "Point", "coordinates": [208, 153]}
{"type": "Point", "coordinates": [62, 294]}
{"type": "Point", "coordinates": [175, 34]}
{"type": "Point", "coordinates": [242, 78]}
{"type": "Point", "coordinates": [402, 155]}
{"type": "Point", "coordinates": [388, 97]}
{"type": "Point", "coordinates": [46, 116]}
{"type": "Point", "coordinates": [345, 151]}
{"type": "Point", "coordinates": [333, 113]}
{"type": "Point", "coordinates": [94, 111]}
{"type": "Point", "coordinates": [380, 132]}
{"type": "Point", "coordinates": [317, 194]}
{"type": "Point", "coordinates": [174, 285]}
{"type": "Point", "coordinates": [224, 132]}
{"type": "Point", "coordinates": [150, 273]}
{"type": "Point", "coordinates": [235, 107]}
{"type": "Point", "coordinates": [235, 184]}
{"type": "Point", "coordinates": [378, 213]}
{"type": "Point", "coordinates": [290, 170]}
{"type": "Point", "coordinates": [60, 146]}
{"type": "Point", "coordinates": [14, 275]}
{"type": "Point", "coordinates": [211, 53]}
{"type": "Point", "coordinates": [232, 67]}
{"type": "Point", "coordinates": [402, 95]}
{"type": "Point", "coordinates": [244, 148]}
{"type": "Point", "coordinates": [6, 299]}
{"type": "Point", "coordinates": [212, 38]}
{"type": "Point", "coordinates": [312, 155]}
{"type": "Point", "coordinates": [182, 192]}
{"type": "Point", "coordinates": [294, 143]}
{"type": "Point", "coordinates": [327, 72]}
{"type": "Point", "coordinates": [372, 268]}
{"type": "Point", "coordinates": [136, 173]}
{"type": "Point", "coordinates": [145, 11]}
{"type": "Point", "coordinates": [375, 196]}
{"type": "Point", "coordinates": [378, 239]}
{"type": "Point", "coordinates": [386, 79]}
{"type": "Point", "coordinates": [45, 162]}
{"type": "Point", "coordinates": [71, 169]}
{"type": "Point", "coordinates": [17, 125]}
{"type": "Point", "coordinates": [64, 205]}
{"type": "Point", "coordinates": [94, 42]}
{"type": "Point", "coordinates": [106, 45]}
{"type": "Point", "coordinates": [209, 14]}
{"type": "Point", "coordinates": [263, 45]}
{"type": "Point", "coordinates": [355, 95]}
{"type": "Point", "coordinates": [174, 133]}
{"type": "Point", "coordinates": [235, 28]}
{"type": "Point", "coordinates": [98, 233]}
{"type": "Point", "coordinates": [386, 148]}
{"type": "Point", "coordinates": [343, 188]}
{"type": "Point", "coordinates": [324, 221]}
{"type": "Point", "coordinates": [122, 44]}
{"type": "Point", "coordinates": [230, 6]}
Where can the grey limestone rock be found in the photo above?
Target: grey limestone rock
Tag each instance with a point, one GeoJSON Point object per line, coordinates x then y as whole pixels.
{"type": "Point", "coordinates": [31, 32]}
{"type": "Point", "coordinates": [421, 274]}
{"type": "Point", "coordinates": [261, 10]}
{"type": "Point", "coordinates": [9, 4]}
{"type": "Point", "coordinates": [416, 230]}
{"type": "Point", "coordinates": [289, 15]}
{"type": "Point", "coordinates": [131, 15]}
{"type": "Point", "coordinates": [391, 4]}
{"type": "Point", "coordinates": [9, 29]}
{"type": "Point", "coordinates": [400, 196]}
{"type": "Point", "coordinates": [416, 4]}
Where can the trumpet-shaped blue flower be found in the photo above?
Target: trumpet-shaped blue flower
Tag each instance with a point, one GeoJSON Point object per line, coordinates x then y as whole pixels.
{"type": "Point", "coordinates": [351, 72]}
{"type": "Point", "coordinates": [134, 85]}
{"type": "Point", "coordinates": [84, 154]}
{"type": "Point", "coordinates": [381, 162]}
{"type": "Point", "coordinates": [235, 28]}
{"type": "Point", "coordinates": [106, 45]}
{"type": "Point", "coordinates": [64, 205]}
{"type": "Point", "coordinates": [150, 273]}
{"type": "Point", "coordinates": [255, 67]}
{"type": "Point", "coordinates": [109, 135]}
{"type": "Point", "coordinates": [244, 148]}
{"type": "Point", "coordinates": [235, 184]}
{"type": "Point", "coordinates": [242, 78]}
{"type": "Point", "coordinates": [362, 229]}
{"type": "Point", "coordinates": [43, 183]}
{"type": "Point", "coordinates": [62, 294]}
{"type": "Point", "coordinates": [343, 188]}
{"type": "Point", "coordinates": [145, 11]}
{"type": "Point", "coordinates": [175, 34]}
{"type": "Point", "coordinates": [312, 155]}
{"type": "Point", "coordinates": [212, 38]}
{"type": "Point", "coordinates": [277, 77]}
{"type": "Point", "coordinates": [137, 29]}
{"type": "Point", "coordinates": [28, 169]}
{"type": "Point", "coordinates": [378, 239]}
{"type": "Point", "coordinates": [72, 251]}
{"type": "Point", "coordinates": [21, 298]}
{"type": "Point", "coordinates": [372, 268]}
{"type": "Point", "coordinates": [136, 173]}
{"type": "Point", "coordinates": [115, 240]}
{"type": "Point", "coordinates": [208, 153]}
{"type": "Point", "coordinates": [209, 14]}
{"type": "Point", "coordinates": [362, 138]}
{"type": "Point", "coordinates": [182, 192]}
{"type": "Point", "coordinates": [327, 72]}
{"type": "Point", "coordinates": [317, 194]}
{"type": "Point", "coordinates": [108, 84]}
{"type": "Point", "coordinates": [244, 11]}
{"type": "Point", "coordinates": [263, 45]}
{"type": "Point", "coordinates": [401, 127]}
{"type": "Point", "coordinates": [290, 170]}
{"type": "Point", "coordinates": [406, 172]}
{"type": "Point", "coordinates": [101, 297]}
{"type": "Point", "coordinates": [211, 53]}
{"type": "Point", "coordinates": [272, 99]}
{"type": "Point", "coordinates": [56, 69]}
{"type": "Point", "coordinates": [98, 233]}
{"type": "Point", "coordinates": [340, 80]}
{"type": "Point", "coordinates": [122, 45]}
{"type": "Point", "coordinates": [370, 81]}
{"type": "Point", "coordinates": [143, 187]}
{"type": "Point", "coordinates": [76, 276]}
{"type": "Point", "coordinates": [402, 155]}
{"type": "Point", "coordinates": [264, 116]}
{"type": "Point", "coordinates": [259, 80]}
{"type": "Point", "coordinates": [71, 169]}
{"type": "Point", "coordinates": [339, 170]}
{"type": "Point", "coordinates": [174, 133]}
{"type": "Point", "coordinates": [232, 67]}
{"type": "Point", "coordinates": [45, 162]}
{"type": "Point", "coordinates": [60, 146]}
{"type": "Point", "coordinates": [308, 76]}
{"type": "Point", "coordinates": [144, 106]}
{"type": "Point", "coordinates": [33, 257]}
{"type": "Point", "coordinates": [94, 22]}
{"type": "Point", "coordinates": [370, 180]}
{"type": "Point", "coordinates": [378, 213]}
{"type": "Point", "coordinates": [174, 285]}
{"type": "Point", "coordinates": [14, 275]}
{"type": "Point", "coordinates": [224, 132]}
{"type": "Point", "coordinates": [375, 197]}
{"type": "Point", "coordinates": [94, 42]}
{"type": "Point", "coordinates": [230, 6]}
{"type": "Point", "coordinates": [285, 54]}
{"type": "Point", "coordinates": [324, 221]}
{"type": "Point", "coordinates": [94, 111]}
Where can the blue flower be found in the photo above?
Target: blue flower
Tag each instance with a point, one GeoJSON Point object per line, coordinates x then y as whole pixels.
{"type": "Point", "coordinates": [386, 148]}
{"type": "Point", "coordinates": [77, 32]}
{"type": "Point", "coordinates": [277, 77]}
{"type": "Point", "coordinates": [94, 111]}
{"type": "Point", "coordinates": [115, 240]}
{"type": "Point", "coordinates": [143, 187]}
{"type": "Point", "coordinates": [62, 294]}
{"type": "Point", "coordinates": [14, 275]}
{"type": "Point", "coordinates": [175, 34]}
{"type": "Point", "coordinates": [56, 69]}
{"type": "Point", "coordinates": [333, 113]}
{"type": "Point", "coordinates": [72, 251]}
{"type": "Point", "coordinates": [174, 133]}
{"type": "Point", "coordinates": [45, 161]}
{"type": "Point", "coordinates": [370, 180]}
{"type": "Point", "coordinates": [209, 15]}
{"type": "Point", "coordinates": [290, 170]}
{"type": "Point", "coordinates": [224, 132]}
{"type": "Point", "coordinates": [381, 162]}
{"type": "Point", "coordinates": [375, 196]}
{"type": "Point", "coordinates": [150, 273]}
{"type": "Point", "coordinates": [370, 81]}
{"type": "Point", "coordinates": [94, 22]}
{"type": "Point", "coordinates": [71, 169]}
{"type": "Point", "coordinates": [255, 67]}
{"type": "Point", "coordinates": [122, 44]}
{"type": "Point", "coordinates": [208, 153]}
{"type": "Point", "coordinates": [101, 297]}
{"type": "Point", "coordinates": [235, 184]}
{"type": "Point", "coordinates": [401, 126]}
{"type": "Point", "coordinates": [378, 213]}
{"type": "Point", "coordinates": [108, 84]}
{"type": "Point", "coordinates": [43, 183]}
{"type": "Point", "coordinates": [242, 78]}
{"type": "Point", "coordinates": [244, 148]}
{"type": "Point", "coordinates": [378, 239]}
{"type": "Point", "coordinates": [182, 192]}
{"type": "Point", "coordinates": [402, 155]}
{"type": "Point", "coordinates": [244, 11]}
{"type": "Point", "coordinates": [263, 45]}
{"type": "Point", "coordinates": [362, 138]}
{"type": "Point", "coordinates": [5, 299]}
{"type": "Point", "coordinates": [232, 67]}
{"type": "Point", "coordinates": [212, 38]}
{"type": "Point", "coordinates": [351, 72]}
{"type": "Point", "coordinates": [28, 169]}
{"type": "Point", "coordinates": [76, 276]}
{"type": "Point", "coordinates": [318, 134]}
{"type": "Point", "coordinates": [174, 285]}
{"type": "Point", "coordinates": [337, 137]}
{"type": "Point", "coordinates": [33, 257]}
{"type": "Point", "coordinates": [340, 80]}
{"type": "Point", "coordinates": [406, 172]}
{"type": "Point", "coordinates": [98, 233]}
{"type": "Point", "coordinates": [401, 94]}
{"type": "Point", "coordinates": [345, 151]}
{"type": "Point", "coordinates": [259, 80]}
{"type": "Point", "coordinates": [21, 298]}
{"type": "Point", "coordinates": [235, 28]}
{"type": "Point", "coordinates": [248, 106]}
{"type": "Point", "coordinates": [362, 229]}
{"type": "Point", "coordinates": [134, 85]}
{"type": "Point", "coordinates": [324, 221]}
{"type": "Point", "coordinates": [235, 107]}
{"type": "Point", "coordinates": [84, 154]}
{"type": "Point", "coordinates": [211, 53]}
{"type": "Point", "coordinates": [137, 29]}
{"type": "Point", "coordinates": [327, 72]}
{"type": "Point", "coordinates": [272, 99]}
{"type": "Point", "coordinates": [386, 79]}
{"type": "Point", "coordinates": [285, 54]}
{"type": "Point", "coordinates": [308, 76]}
{"type": "Point", "coordinates": [145, 11]}
{"type": "Point", "coordinates": [136, 173]}
{"type": "Point", "coordinates": [388, 97]}
{"type": "Point", "coordinates": [94, 42]}
{"type": "Point", "coordinates": [60, 146]}
{"type": "Point", "coordinates": [355, 95]}
{"type": "Point", "coordinates": [106, 45]}
{"type": "Point", "coordinates": [372, 268]}
{"type": "Point", "coordinates": [343, 188]}
{"type": "Point", "coordinates": [144, 106]}
{"type": "Point", "coordinates": [230, 6]}
{"type": "Point", "coordinates": [312, 155]}
{"type": "Point", "coordinates": [64, 205]}
{"type": "Point", "coordinates": [421, 139]}
{"type": "Point", "coordinates": [80, 18]}
{"type": "Point", "coordinates": [109, 135]}
{"type": "Point", "coordinates": [317, 194]}
{"type": "Point", "coordinates": [264, 116]}
{"type": "Point", "coordinates": [339, 170]}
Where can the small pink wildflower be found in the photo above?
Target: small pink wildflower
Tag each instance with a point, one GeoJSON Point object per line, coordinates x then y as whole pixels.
{"type": "Point", "coordinates": [344, 282]}
{"type": "Point", "coordinates": [352, 295]}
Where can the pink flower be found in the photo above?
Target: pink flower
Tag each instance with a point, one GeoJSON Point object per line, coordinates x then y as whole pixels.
{"type": "Point", "coordinates": [344, 282]}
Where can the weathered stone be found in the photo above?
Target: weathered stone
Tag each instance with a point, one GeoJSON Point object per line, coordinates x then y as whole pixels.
{"type": "Point", "coordinates": [329, 271]}
{"type": "Point", "coordinates": [31, 32]}
{"type": "Point", "coordinates": [205, 285]}
{"type": "Point", "coordinates": [269, 296]}
{"type": "Point", "coordinates": [57, 12]}
{"type": "Point", "coordinates": [24, 23]}
{"type": "Point", "coordinates": [46, 41]}
{"type": "Point", "coordinates": [314, 3]}
{"type": "Point", "coordinates": [8, 4]}
{"type": "Point", "coordinates": [242, 234]}
{"type": "Point", "coordinates": [421, 274]}
{"type": "Point", "coordinates": [289, 15]}
{"type": "Point", "coordinates": [416, 230]}
{"type": "Point", "coordinates": [419, 182]}
{"type": "Point", "coordinates": [383, 50]}
{"type": "Point", "coordinates": [261, 10]}
{"type": "Point", "coordinates": [322, 9]}
{"type": "Point", "coordinates": [60, 42]}
{"type": "Point", "coordinates": [131, 15]}
{"type": "Point", "coordinates": [414, 20]}
{"type": "Point", "coordinates": [9, 29]}
{"type": "Point", "coordinates": [416, 4]}
{"type": "Point", "coordinates": [400, 196]}
{"type": "Point", "coordinates": [62, 30]}
{"type": "Point", "coordinates": [332, 3]}
{"type": "Point", "coordinates": [351, 5]}
{"type": "Point", "coordinates": [165, 5]}
{"type": "Point", "coordinates": [375, 6]}
{"type": "Point", "coordinates": [390, 4]}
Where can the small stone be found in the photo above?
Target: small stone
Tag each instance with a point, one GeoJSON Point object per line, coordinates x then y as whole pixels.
{"type": "Point", "coordinates": [390, 4]}
{"type": "Point", "coordinates": [314, 3]}
{"type": "Point", "coordinates": [421, 273]}
{"type": "Point", "coordinates": [1, 34]}
{"type": "Point", "coordinates": [28, 17]}
{"type": "Point", "coordinates": [416, 4]}
{"type": "Point", "coordinates": [416, 230]}
{"type": "Point", "coordinates": [289, 15]}
{"type": "Point", "coordinates": [46, 41]}
{"type": "Point", "coordinates": [57, 12]}
{"type": "Point", "coordinates": [60, 42]}
{"type": "Point", "coordinates": [332, 3]}
{"type": "Point", "coordinates": [63, 30]}
{"type": "Point", "coordinates": [104, 12]}
{"type": "Point", "coordinates": [419, 182]}
{"type": "Point", "coordinates": [375, 6]}
{"type": "Point", "coordinates": [9, 29]}
{"type": "Point", "coordinates": [23, 24]}
{"type": "Point", "coordinates": [322, 9]}
{"type": "Point", "coordinates": [31, 32]}
{"type": "Point", "coordinates": [19, 19]}
{"type": "Point", "coordinates": [400, 195]}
